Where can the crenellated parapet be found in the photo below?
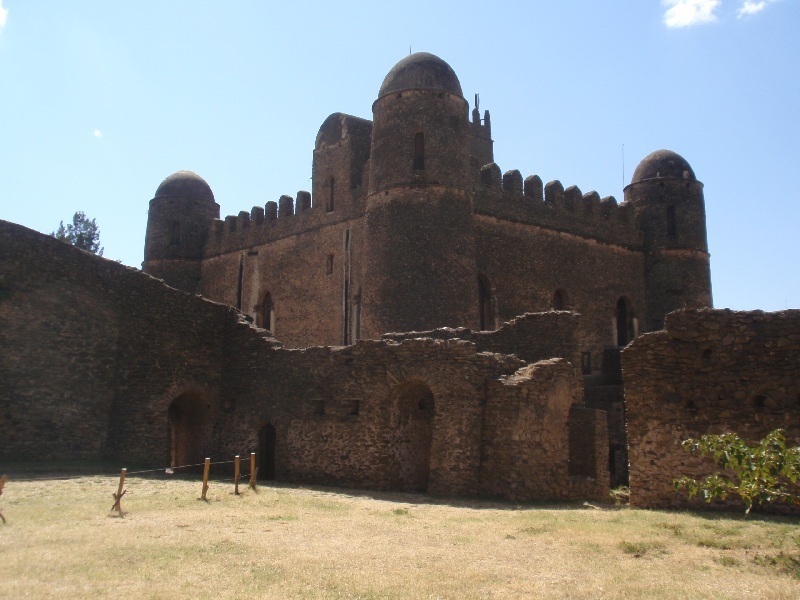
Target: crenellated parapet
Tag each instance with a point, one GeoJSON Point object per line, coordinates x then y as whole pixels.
{"type": "Point", "coordinates": [510, 197]}
{"type": "Point", "coordinates": [276, 220]}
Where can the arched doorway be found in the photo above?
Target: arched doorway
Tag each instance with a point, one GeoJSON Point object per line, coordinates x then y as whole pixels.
{"type": "Point", "coordinates": [414, 410]}
{"type": "Point", "coordinates": [624, 322]}
{"type": "Point", "coordinates": [189, 429]}
{"type": "Point", "coordinates": [266, 453]}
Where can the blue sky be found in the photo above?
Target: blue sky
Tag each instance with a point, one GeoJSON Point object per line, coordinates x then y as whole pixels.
{"type": "Point", "coordinates": [100, 101]}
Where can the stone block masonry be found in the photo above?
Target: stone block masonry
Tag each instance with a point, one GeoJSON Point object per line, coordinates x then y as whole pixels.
{"type": "Point", "coordinates": [709, 371]}
{"type": "Point", "coordinates": [101, 361]}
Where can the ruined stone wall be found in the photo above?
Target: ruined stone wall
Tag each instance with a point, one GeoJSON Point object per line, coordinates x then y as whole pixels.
{"type": "Point", "coordinates": [531, 337]}
{"type": "Point", "coordinates": [101, 361]}
{"type": "Point", "coordinates": [527, 448]}
{"type": "Point", "coordinates": [340, 416]}
{"type": "Point", "coordinates": [709, 371]}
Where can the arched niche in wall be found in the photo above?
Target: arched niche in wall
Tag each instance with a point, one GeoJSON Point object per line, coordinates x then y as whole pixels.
{"type": "Point", "coordinates": [189, 429]}
{"type": "Point", "coordinates": [413, 407]}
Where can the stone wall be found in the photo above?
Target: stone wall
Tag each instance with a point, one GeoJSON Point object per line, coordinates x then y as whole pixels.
{"type": "Point", "coordinates": [526, 265]}
{"type": "Point", "coordinates": [709, 371]}
{"type": "Point", "coordinates": [533, 429]}
{"type": "Point", "coordinates": [94, 352]}
{"type": "Point", "coordinates": [101, 361]}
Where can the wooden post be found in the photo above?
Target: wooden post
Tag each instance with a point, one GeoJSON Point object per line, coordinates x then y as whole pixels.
{"type": "Point", "coordinates": [120, 492]}
{"type": "Point", "coordinates": [206, 468]}
{"type": "Point", "coordinates": [3, 480]}
{"type": "Point", "coordinates": [236, 477]}
{"type": "Point", "coordinates": [253, 470]}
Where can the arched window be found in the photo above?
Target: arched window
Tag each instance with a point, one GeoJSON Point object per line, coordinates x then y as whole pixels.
{"type": "Point", "coordinates": [485, 304]}
{"type": "Point", "coordinates": [624, 322]}
{"type": "Point", "coordinates": [419, 151]}
{"type": "Point", "coordinates": [559, 301]}
{"type": "Point", "coordinates": [330, 199]}
{"type": "Point", "coordinates": [267, 313]}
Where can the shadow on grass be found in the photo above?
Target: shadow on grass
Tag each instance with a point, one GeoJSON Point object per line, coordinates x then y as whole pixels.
{"type": "Point", "coordinates": [223, 474]}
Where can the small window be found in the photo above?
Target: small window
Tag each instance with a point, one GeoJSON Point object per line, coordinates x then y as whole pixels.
{"type": "Point", "coordinates": [419, 151]}
{"type": "Point", "coordinates": [586, 363]}
{"type": "Point", "coordinates": [355, 408]}
{"type": "Point", "coordinates": [559, 300]}
{"type": "Point", "coordinates": [175, 234]}
{"type": "Point", "coordinates": [329, 204]}
{"type": "Point", "coordinates": [329, 265]}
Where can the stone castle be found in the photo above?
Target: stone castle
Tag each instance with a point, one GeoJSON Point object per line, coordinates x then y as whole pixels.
{"type": "Point", "coordinates": [442, 327]}
{"type": "Point", "coordinates": [412, 227]}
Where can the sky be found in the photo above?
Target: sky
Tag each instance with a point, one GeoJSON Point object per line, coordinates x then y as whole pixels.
{"type": "Point", "coordinates": [100, 101]}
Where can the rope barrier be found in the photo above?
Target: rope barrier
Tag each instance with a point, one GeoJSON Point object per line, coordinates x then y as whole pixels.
{"type": "Point", "coordinates": [166, 470]}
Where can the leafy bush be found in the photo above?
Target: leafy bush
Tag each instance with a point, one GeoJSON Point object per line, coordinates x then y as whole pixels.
{"type": "Point", "coordinates": [767, 472]}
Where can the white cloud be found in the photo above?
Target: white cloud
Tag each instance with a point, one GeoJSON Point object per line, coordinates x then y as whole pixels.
{"type": "Point", "coordinates": [751, 7]}
{"type": "Point", "coordinates": [3, 15]}
{"type": "Point", "coordinates": [97, 133]}
{"type": "Point", "coordinates": [685, 13]}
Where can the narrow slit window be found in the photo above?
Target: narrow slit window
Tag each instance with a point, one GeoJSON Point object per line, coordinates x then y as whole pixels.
{"type": "Point", "coordinates": [175, 234]}
{"type": "Point", "coordinates": [329, 265]}
{"type": "Point", "coordinates": [331, 196]}
{"type": "Point", "coordinates": [671, 228]}
{"type": "Point", "coordinates": [419, 151]}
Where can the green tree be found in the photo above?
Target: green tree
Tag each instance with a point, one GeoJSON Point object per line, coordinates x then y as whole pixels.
{"type": "Point", "coordinates": [82, 233]}
{"type": "Point", "coordinates": [764, 473]}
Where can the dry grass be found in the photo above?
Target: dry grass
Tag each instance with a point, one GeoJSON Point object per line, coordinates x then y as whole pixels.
{"type": "Point", "coordinates": [306, 543]}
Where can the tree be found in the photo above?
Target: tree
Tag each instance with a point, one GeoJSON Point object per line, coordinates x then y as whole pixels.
{"type": "Point", "coordinates": [764, 473]}
{"type": "Point", "coordinates": [81, 233]}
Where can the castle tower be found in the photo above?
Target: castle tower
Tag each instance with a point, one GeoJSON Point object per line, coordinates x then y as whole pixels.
{"type": "Point", "coordinates": [669, 209]}
{"type": "Point", "coordinates": [419, 266]}
{"type": "Point", "coordinates": [180, 216]}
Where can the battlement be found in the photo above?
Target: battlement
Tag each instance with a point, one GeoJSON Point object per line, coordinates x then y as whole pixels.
{"type": "Point", "coordinates": [276, 220]}
{"type": "Point", "coordinates": [569, 210]}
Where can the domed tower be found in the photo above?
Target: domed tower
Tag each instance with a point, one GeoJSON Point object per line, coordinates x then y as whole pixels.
{"type": "Point", "coordinates": [419, 265]}
{"type": "Point", "coordinates": [178, 222]}
{"type": "Point", "coordinates": [668, 203]}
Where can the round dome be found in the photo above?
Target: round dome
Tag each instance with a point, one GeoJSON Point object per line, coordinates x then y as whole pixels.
{"type": "Point", "coordinates": [421, 71]}
{"type": "Point", "coordinates": [663, 163]}
{"type": "Point", "coordinates": [186, 184]}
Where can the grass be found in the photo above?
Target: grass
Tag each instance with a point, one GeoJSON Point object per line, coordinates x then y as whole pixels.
{"type": "Point", "coordinates": [293, 542]}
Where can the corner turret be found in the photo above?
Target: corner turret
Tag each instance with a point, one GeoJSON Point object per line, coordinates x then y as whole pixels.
{"type": "Point", "coordinates": [669, 210]}
{"type": "Point", "coordinates": [178, 222]}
